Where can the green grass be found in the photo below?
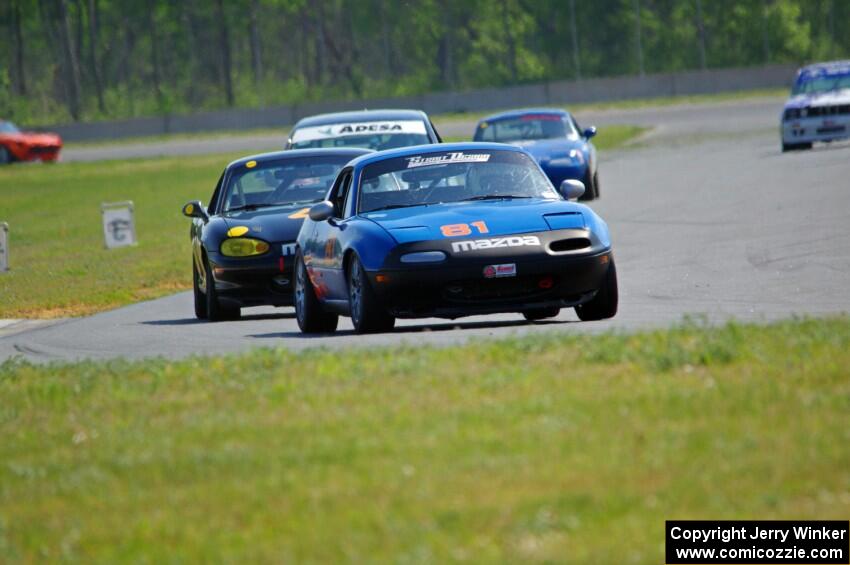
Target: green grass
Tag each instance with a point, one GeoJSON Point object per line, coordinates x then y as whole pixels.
{"type": "Point", "coordinates": [58, 264]}
{"type": "Point", "coordinates": [206, 135]}
{"type": "Point", "coordinates": [555, 448]}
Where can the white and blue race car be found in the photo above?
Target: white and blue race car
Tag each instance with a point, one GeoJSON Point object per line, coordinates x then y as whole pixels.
{"type": "Point", "coordinates": [819, 106]}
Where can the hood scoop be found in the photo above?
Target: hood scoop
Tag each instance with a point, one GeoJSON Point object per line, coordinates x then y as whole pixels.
{"type": "Point", "coordinates": [408, 234]}
{"type": "Point", "coordinates": [565, 221]}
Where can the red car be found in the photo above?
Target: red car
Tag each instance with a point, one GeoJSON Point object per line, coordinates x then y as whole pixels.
{"type": "Point", "coordinates": [17, 145]}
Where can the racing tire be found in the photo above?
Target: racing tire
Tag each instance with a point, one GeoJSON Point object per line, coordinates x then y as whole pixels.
{"type": "Point", "coordinates": [604, 304]}
{"type": "Point", "coordinates": [795, 146]}
{"type": "Point", "coordinates": [5, 156]}
{"type": "Point", "coordinates": [367, 315]}
{"type": "Point", "coordinates": [589, 187]}
{"type": "Point", "coordinates": [596, 184]}
{"type": "Point", "coordinates": [200, 299]}
{"type": "Point", "coordinates": [216, 311]}
{"type": "Point", "coordinates": [308, 311]}
{"type": "Point", "coordinates": [541, 313]}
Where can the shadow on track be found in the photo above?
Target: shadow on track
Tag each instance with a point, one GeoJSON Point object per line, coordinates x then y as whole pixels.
{"type": "Point", "coordinates": [244, 318]}
{"type": "Point", "coordinates": [442, 327]}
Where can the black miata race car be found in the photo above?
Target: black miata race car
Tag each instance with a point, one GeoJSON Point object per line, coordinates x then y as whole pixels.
{"type": "Point", "coordinates": [243, 243]}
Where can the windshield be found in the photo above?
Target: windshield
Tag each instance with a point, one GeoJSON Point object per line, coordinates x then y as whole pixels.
{"type": "Point", "coordinates": [378, 135]}
{"type": "Point", "coordinates": [8, 127]}
{"type": "Point", "coordinates": [529, 126]}
{"type": "Point", "coordinates": [302, 180]}
{"type": "Point", "coordinates": [452, 176]}
{"type": "Point", "coordinates": [822, 84]}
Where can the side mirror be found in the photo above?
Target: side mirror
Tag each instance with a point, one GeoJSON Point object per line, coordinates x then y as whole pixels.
{"type": "Point", "coordinates": [195, 209]}
{"type": "Point", "coordinates": [571, 189]}
{"type": "Point", "coordinates": [589, 132]}
{"type": "Point", "coordinates": [322, 211]}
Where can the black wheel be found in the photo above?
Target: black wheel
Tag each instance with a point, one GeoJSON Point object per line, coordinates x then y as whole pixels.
{"type": "Point", "coordinates": [541, 313]}
{"type": "Point", "coordinates": [596, 184]}
{"type": "Point", "coordinates": [5, 155]}
{"type": "Point", "coordinates": [308, 312]}
{"type": "Point", "coordinates": [216, 311]}
{"type": "Point", "coordinates": [589, 187]}
{"type": "Point", "coordinates": [366, 314]}
{"type": "Point", "coordinates": [796, 146]}
{"type": "Point", "coordinates": [604, 304]}
{"type": "Point", "coordinates": [200, 299]}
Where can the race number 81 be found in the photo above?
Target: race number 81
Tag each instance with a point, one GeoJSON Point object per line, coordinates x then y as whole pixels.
{"type": "Point", "coordinates": [459, 230]}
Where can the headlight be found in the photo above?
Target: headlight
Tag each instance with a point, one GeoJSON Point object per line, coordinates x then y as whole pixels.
{"type": "Point", "coordinates": [574, 157]}
{"type": "Point", "coordinates": [423, 257]}
{"type": "Point", "coordinates": [243, 247]}
{"type": "Point", "coordinates": [792, 114]}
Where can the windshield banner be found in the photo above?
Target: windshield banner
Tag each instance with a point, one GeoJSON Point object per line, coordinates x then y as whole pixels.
{"type": "Point", "coordinates": [456, 157]}
{"type": "Point", "coordinates": [358, 128]}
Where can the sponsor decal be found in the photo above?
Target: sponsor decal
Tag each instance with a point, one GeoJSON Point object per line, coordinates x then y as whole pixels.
{"type": "Point", "coordinates": [362, 128]}
{"type": "Point", "coordinates": [287, 249]}
{"type": "Point", "coordinates": [496, 242]}
{"type": "Point", "coordinates": [541, 117]}
{"type": "Point", "coordinates": [330, 248]}
{"type": "Point", "coordinates": [358, 128]}
{"type": "Point", "coordinates": [453, 157]}
{"type": "Point", "coordinates": [498, 271]}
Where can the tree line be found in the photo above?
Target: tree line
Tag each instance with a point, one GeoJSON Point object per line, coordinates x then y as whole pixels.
{"type": "Point", "coordinates": [72, 60]}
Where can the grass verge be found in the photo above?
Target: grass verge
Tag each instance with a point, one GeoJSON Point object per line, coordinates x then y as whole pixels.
{"type": "Point", "coordinates": [537, 449]}
{"type": "Point", "coordinates": [59, 265]}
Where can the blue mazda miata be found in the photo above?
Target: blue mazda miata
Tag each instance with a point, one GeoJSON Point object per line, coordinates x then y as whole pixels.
{"type": "Point", "coordinates": [446, 231]}
{"type": "Point", "coordinates": [554, 139]}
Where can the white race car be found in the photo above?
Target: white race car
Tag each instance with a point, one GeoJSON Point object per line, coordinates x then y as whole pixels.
{"type": "Point", "coordinates": [819, 107]}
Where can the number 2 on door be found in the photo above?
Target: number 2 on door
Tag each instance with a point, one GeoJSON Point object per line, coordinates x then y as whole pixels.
{"type": "Point", "coordinates": [458, 230]}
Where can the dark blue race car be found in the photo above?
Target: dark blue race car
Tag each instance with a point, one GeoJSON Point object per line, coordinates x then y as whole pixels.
{"type": "Point", "coordinates": [372, 129]}
{"type": "Point", "coordinates": [554, 139]}
{"type": "Point", "coordinates": [243, 243]}
{"type": "Point", "coordinates": [448, 231]}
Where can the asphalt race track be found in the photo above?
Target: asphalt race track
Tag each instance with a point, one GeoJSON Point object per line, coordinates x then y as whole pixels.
{"type": "Point", "coordinates": [708, 218]}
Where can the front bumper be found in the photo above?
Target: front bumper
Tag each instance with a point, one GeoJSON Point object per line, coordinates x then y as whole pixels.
{"type": "Point", "coordinates": [262, 281]}
{"type": "Point", "coordinates": [808, 130]}
{"type": "Point", "coordinates": [458, 286]}
{"type": "Point", "coordinates": [41, 152]}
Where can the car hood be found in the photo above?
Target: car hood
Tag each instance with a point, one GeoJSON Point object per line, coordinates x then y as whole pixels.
{"type": "Point", "coordinates": [500, 217]}
{"type": "Point", "coordinates": [545, 149]}
{"type": "Point", "coordinates": [33, 138]}
{"type": "Point", "coordinates": [278, 224]}
{"type": "Point", "coordinates": [831, 98]}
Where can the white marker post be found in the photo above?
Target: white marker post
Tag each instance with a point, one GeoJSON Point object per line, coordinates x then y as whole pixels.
{"type": "Point", "coordinates": [4, 247]}
{"type": "Point", "coordinates": [119, 228]}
